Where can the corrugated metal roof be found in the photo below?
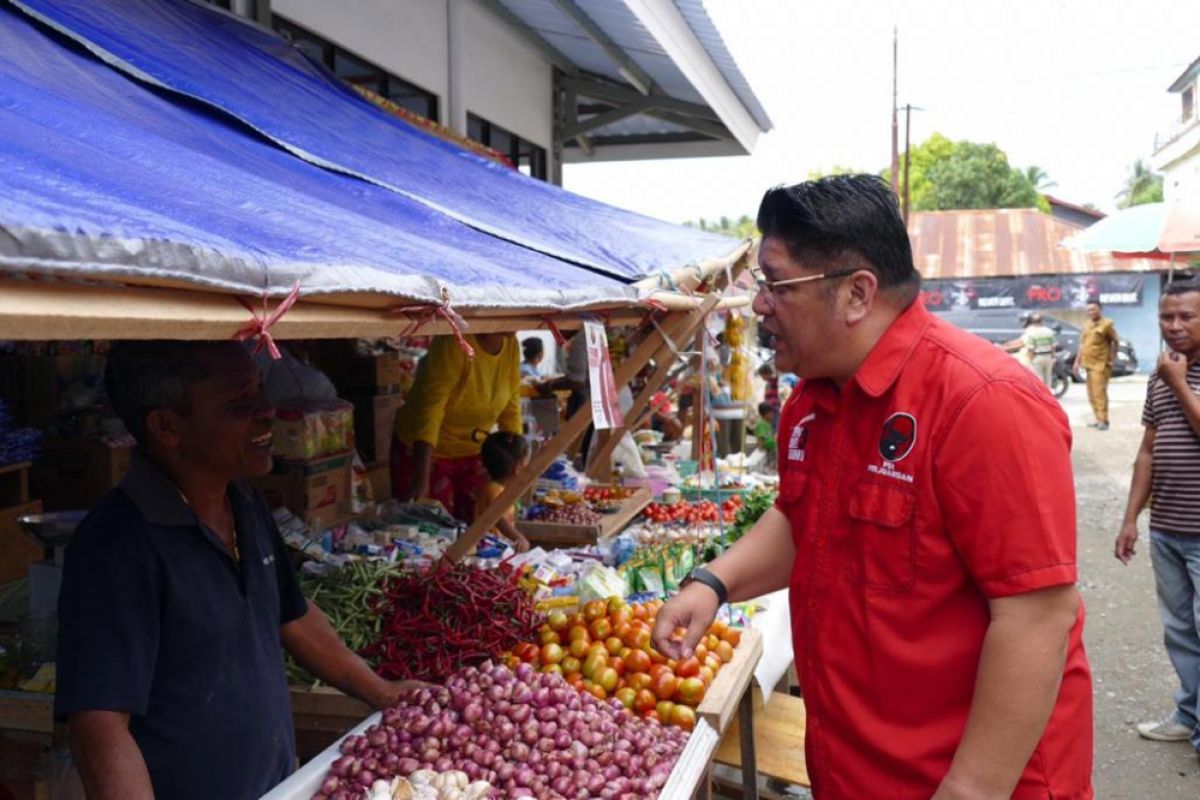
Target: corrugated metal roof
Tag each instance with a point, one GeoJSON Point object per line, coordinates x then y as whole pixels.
{"type": "Point", "coordinates": [547, 20]}
{"type": "Point", "coordinates": [706, 31]}
{"type": "Point", "coordinates": [1002, 243]}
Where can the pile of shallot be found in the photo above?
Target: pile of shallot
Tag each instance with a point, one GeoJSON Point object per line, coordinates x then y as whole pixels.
{"type": "Point", "coordinates": [527, 734]}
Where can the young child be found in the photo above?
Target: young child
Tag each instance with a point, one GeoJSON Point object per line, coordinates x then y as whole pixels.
{"type": "Point", "coordinates": [764, 430]}
{"type": "Point", "coordinates": [503, 454]}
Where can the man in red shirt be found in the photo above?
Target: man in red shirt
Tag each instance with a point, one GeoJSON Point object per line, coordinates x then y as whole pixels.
{"type": "Point", "coordinates": [925, 527]}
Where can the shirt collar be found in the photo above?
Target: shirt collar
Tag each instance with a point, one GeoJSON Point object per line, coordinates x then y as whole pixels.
{"type": "Point", "coordinates": [159, 500]}
{"type": "Point", "coordinates": [893, 350]}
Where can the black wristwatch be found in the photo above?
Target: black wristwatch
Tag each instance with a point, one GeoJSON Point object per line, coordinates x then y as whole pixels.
{"type": "Point", "coordinates": [701, 575]}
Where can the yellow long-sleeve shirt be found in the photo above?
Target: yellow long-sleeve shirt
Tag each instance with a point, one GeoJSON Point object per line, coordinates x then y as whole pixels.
{"type": "Point", "coordinates": [455, 401]}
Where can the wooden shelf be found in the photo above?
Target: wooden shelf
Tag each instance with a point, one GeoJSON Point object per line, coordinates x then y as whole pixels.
{"type": "Point", "coordinates": [720, 703]}
{"type": "Point", "coordinates": [778, 739]}
{"type": "Point", "coordinates": [557, 534]}
{"type": "Point", "coordinates": [27, 711]}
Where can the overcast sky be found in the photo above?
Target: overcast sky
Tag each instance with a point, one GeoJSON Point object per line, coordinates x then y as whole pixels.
{"type": "Point", "coordinates": [1078, 88]}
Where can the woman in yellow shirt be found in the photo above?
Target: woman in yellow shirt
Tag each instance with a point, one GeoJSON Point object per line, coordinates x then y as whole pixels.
{"type": "Point", "coordinates": [454, 404]}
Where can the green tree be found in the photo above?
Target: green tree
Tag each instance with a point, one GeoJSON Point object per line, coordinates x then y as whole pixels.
{"type": "Point", "coordinates": [744, 227]}
{"type": "Point", "coordinates": [953, 175]}
{"type": "Point", "coordinates": [1039, 178]}
{"type": "Point", "coordinates": [1142, 185]}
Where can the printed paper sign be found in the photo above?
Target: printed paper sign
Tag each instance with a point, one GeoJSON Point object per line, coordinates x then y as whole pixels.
{"type": "Point", "coordinates": [606, 413]}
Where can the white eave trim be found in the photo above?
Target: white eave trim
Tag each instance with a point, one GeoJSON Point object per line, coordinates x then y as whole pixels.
{"type": "Point", "coordinates": [664, 22]}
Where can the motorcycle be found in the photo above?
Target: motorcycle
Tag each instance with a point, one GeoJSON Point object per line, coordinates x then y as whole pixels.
{"type": "Point", "coordinates": [1060, 380]}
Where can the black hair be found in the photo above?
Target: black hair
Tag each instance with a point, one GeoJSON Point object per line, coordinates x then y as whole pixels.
{"type": "Point", "coordinates": [843, 215]}
{"type": "Point", "coordinates": [1175, 288]}
{"type": "Point", "coordinates": [532, 347]}
{"type": "Point", "coordinates": [501, 452]}
{"type": "Point", "coordinates": [143, 376]}
{"type": "Point", "coordinates": [766, 408]}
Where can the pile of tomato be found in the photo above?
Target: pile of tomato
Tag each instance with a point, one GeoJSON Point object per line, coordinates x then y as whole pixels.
{"type": "Point", "coordinates": [694, 513]}
{"type": "Point", "coordinates": [605, 650]}
{"type": "Point", "coordinates": [594, 494]}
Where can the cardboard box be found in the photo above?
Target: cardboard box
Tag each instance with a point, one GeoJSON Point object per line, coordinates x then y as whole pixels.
{"type": "Point", "coordinates": [374, 425]}
{"type": "Point", "coordinates": [17, 549]}
{"type": "Point", "coordinates": [307, 431]}
{"type": "Point", "coordinates": [73, 474]}
{"type": "Point", "coordinates": [379, 477]}
{"type": "Point", "coordinates": [317, 491]}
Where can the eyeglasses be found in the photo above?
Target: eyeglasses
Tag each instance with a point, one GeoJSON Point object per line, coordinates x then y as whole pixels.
{"type": "Point", "coordinates": [770, 288]}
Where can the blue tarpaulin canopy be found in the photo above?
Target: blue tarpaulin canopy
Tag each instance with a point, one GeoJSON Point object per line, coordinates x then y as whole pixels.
{"type": "Point", "coordinates": [189, 147]}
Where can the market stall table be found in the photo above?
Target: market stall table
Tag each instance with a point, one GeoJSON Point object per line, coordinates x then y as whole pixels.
{"type": "Point", "coordinates": [322, 710]}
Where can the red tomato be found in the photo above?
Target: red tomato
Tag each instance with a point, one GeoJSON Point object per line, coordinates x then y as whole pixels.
{"type": "Point", "coordinates": [691, 691]}
{"type": "Point", "coordinates": [664, 686]}
{"type": "Point", "coordinates": [644, 701]}
{"type": "Point", "coordinates": [688, 668]}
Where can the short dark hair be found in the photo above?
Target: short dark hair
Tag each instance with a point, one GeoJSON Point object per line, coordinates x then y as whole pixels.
{"type": "Point", "coordinates": [501, 452]}
{"type": "Point", "coordinates": [842, 215]}
{"type": "Point", "coordinates": [1175, 288]}
{"type": "Point", "coordinates": [532, 347]}
{"type": "Point", "coordinates": [143, 376]}
{"type": "Point", "coordinates": [766, 408]}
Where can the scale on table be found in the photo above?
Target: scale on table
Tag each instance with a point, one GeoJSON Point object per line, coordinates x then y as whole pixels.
{"type": "Point", "coordinates": [53, 532]}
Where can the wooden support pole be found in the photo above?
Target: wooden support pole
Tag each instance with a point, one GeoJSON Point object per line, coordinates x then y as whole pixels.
{"type": "Point", "coordinates": [676, 326]}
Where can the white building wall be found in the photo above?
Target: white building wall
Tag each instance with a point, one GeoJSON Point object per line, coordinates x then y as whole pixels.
{"type": "Point", "coordinates": [505, 80]}
{"type": "Point", "coordinates": [406, 38]}
{"type": "Point", "coordinates": [508, 83]}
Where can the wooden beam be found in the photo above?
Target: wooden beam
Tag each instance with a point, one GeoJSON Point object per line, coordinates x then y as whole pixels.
{"type": "Point", "coordinates": [677, 326]}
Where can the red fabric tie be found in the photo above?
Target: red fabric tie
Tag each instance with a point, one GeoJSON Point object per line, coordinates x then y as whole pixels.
{"type": "Point", "coordinates": [259, 327]}
{"type": "Point", "coordinates": [559, 339]}
{"type": "Point", "coordinates": [429, 313]}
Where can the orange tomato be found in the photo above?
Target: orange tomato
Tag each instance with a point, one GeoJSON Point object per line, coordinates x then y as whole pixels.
{"type": "Point", "coordinates": [733, 636]}
{"type": "Point", "coordinates": [551, 653]}
{"type": "Point", "coordinates": [557, 621]}
{"type": "Point", "coordinates": [608, 679]}
{"type": "Point", "coordinates": [600, 629]}
{"type": "Point", "coordinates": [725, 652]}
{"type": "Point", "coordinates": [618, 664]}
{"type": "Point", "coordinates": [579, 632]}
{"type": "Point", "coordinates": [638, 661]}
{"type": "Point", "coordinates": [665, 709]}
{"type": "Point", "coordinates": [713, 663]}
{"type": "Point", "coordinates": [706, 675]}
{"type": "Point", "coordinates": [555, 668]}
{"type": "Point", "coordinates": [626, 695]}
{"type": "Point", "coordinates": [571, 664]}
{"type": "Point", "coordinates": [683, 717]}
{"type": "Point", "coordinates": [615, 604]}
{"type": "Point", "coordinates": [700, 652]}
{"type": "Point", "coordinates": [652, 714]}
{"type": "Point", "coordinates": [595, 610]}
{"type": "Point", "coordinates": [621, 616]}
{"type": "Point", "coordinates": [639, 681]}
{"type": "Point", "coordinates": [526, 651]}
{"type": "Point", "coordinates": [578, 647]}
{"type": "Point", "coordinates": [621, 630]}
{"type": "Point", "coordinates": [639, 611]}
{"type": "Point", "coordinates": [597, 691]}
{"type": "Point", "coordinates": [718, 627]}
{"type": "Point", "coordinates": [691, 691]}
{"type": "Point", "coordinates": [594, 663]}
{"type": "Point", "coordinates": [613, 644]}
{"type": "Point", "coordinates": [664, 686]}
{"type": "Point", "coordinates": [549, 637]}
{"type": "Point", "coordinates": [644, 701]}
{"type": "Point", "coordinates": [688, 668]}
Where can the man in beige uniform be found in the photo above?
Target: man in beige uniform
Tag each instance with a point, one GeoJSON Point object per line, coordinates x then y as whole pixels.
{"type": "Point", "coordinates": [1097, 354]}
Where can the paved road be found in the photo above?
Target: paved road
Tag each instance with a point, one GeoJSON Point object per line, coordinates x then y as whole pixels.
{"type": "Point", "coordinates": [1133, 679]}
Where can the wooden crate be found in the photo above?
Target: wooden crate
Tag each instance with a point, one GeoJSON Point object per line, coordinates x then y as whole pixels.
{"type": "Point", "coordinates": [720, 703]}
{"type": "Point", "coordinates": [322, 716]}
{"type": "Point", "coordinates": [554, 534]}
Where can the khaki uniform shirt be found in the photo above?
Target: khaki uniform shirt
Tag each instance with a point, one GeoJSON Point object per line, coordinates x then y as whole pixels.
{"type": "Point", "coordinates": [1094, 343]}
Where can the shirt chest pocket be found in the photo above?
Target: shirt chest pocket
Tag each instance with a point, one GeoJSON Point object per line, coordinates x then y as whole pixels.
{"type": "Point", "coordinates": [882, 536]}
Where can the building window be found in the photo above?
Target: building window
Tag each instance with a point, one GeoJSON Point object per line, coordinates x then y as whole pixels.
{"type": "Point", "coordinates": [525, 155]}
{"type": "Point", "coordinates": [1189, 102]}
{"type": "Point", "coordinates": [358, 71]}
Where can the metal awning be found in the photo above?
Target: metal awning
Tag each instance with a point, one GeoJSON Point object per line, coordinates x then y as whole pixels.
{"type": "Point", "coordinates": [639, 78]}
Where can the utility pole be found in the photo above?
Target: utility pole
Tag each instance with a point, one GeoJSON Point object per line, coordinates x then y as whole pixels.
{"type": "Point", "coordinates": [895, 110]}
{"type": "Point", "coordinates": [907, 130]}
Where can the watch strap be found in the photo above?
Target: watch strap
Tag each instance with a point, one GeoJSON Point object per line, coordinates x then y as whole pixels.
{"type": "Point", "coordinates": [701, 575]}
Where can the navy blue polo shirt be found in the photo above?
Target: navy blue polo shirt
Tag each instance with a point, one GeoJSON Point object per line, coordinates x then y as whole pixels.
{"type": "Point", "coordinates": [158, 620]}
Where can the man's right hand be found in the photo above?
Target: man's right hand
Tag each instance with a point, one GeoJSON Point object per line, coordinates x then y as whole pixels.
{"type": "Point", "coordinates": [694, 608]}
{"type": "Point", "coordinates": [1126, 539]}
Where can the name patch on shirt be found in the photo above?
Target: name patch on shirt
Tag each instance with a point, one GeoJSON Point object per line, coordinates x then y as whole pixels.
{"type": "Point", "coordinates": [799, 439]}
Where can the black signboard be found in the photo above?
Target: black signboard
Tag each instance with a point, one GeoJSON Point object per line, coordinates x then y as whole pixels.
{"type": "Point", "coordinates": [1050, 291]}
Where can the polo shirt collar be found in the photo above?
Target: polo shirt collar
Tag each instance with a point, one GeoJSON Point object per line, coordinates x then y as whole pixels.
{"type": "Point", "coordinates": [158, 499]}
{"type": "Point", "coordinates": [882, 366]}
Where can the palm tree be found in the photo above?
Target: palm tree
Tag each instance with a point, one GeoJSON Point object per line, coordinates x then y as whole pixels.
{"type": "Point", "coordinates": [1142, 185]}
{"type": "Point", "coordinates": [1039, 178]}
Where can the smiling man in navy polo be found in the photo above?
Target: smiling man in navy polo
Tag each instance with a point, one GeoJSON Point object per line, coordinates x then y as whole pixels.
{"type": "Point", "coordinates": [178, 598]}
